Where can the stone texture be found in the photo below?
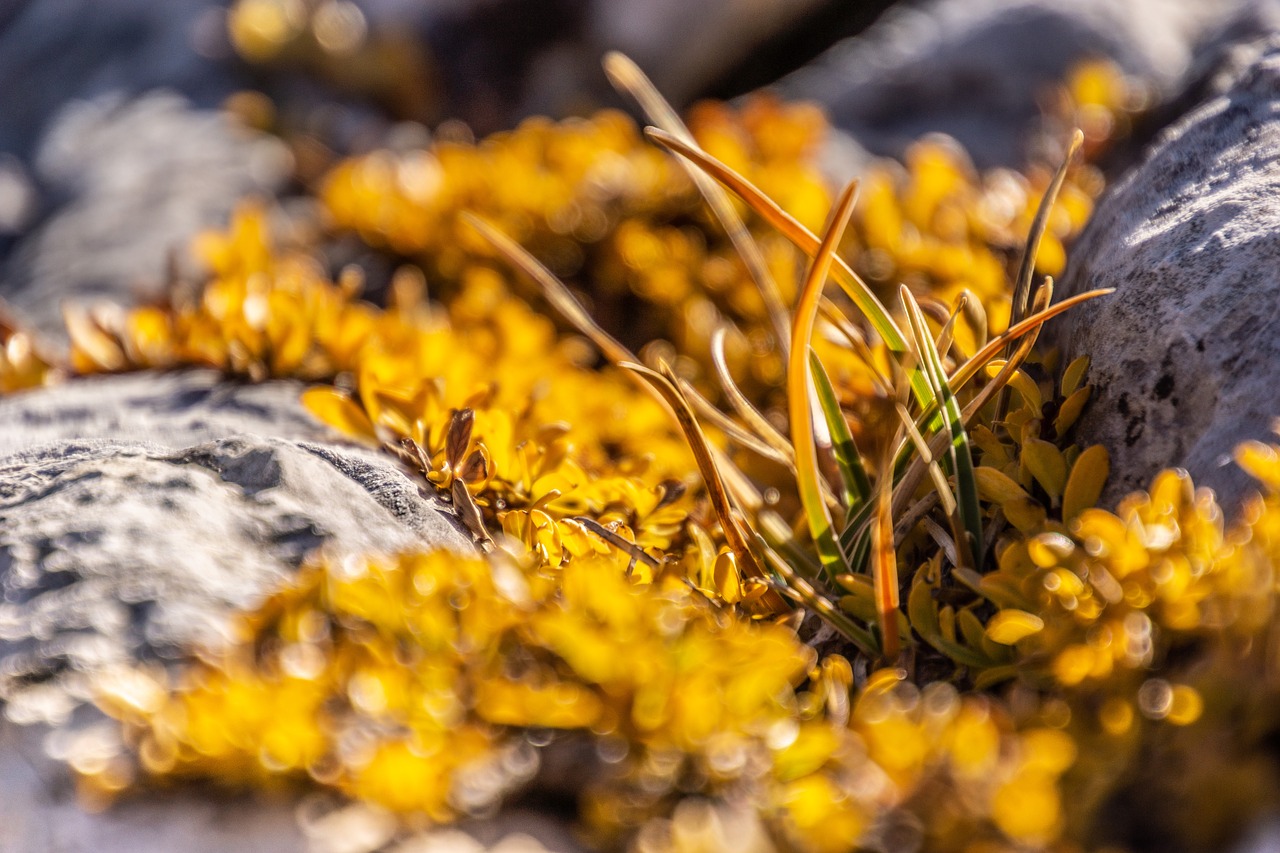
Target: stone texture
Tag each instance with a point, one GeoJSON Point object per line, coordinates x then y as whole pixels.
{"type": "Point", "coordinates": [56, 51]}
{"type": "Point", "coordinates": [1185, 352]}
{"type": "Point", "coordinates": [136, 512]}
{"type": "Point", "coordinates": [974, 68]}
{"type": "Point", "coordinates": [125, 184]}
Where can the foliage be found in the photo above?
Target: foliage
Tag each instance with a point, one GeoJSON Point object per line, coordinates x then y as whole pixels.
{"type": "Point", "coordinates": [985, 651]}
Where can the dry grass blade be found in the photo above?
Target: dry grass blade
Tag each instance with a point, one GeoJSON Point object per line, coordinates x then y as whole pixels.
{"type": "Point", "coordinates": [856, 342]}
{"type": "Point", "coordinates": [946, 337]}
{"type": "Point", "coordinates": [808, 243]}
{"type": "Point", "coordinates": [743, 492]}
{"type": "Point", "coordinates": [564, 302]}
{"type": "Point", "coordinates": [1022, 287]}
{"type": "Point", "coordinates": [927, 456]}
{"type": "Point", "coordinates": [803, 593]}
{"type": "Point", "coordinates": [720, 503]}
{"type": "Point", "coordinates": [627, 77]}
{"type": "Point", "coordinates": [554, 289]}
{"type": "Point", "coordinates": [884, 563]}
{"type": "Point", "coordinates": [799, 381]}
{"type": "Point", "coordinates": [631, 549]}
{"type": "Point", "coordinates": [749, 413]}
{"type": "Point", "coordinates": [970, 368]}
{"type": "Point", "coordinates": [735, 432]}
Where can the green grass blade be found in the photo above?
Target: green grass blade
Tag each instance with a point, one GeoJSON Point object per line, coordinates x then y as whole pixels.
{"type": "Point", "coordinates": [803, 593]}
{"type": "Point", "coordinates": [853, 476]}
{"type": "Point", "coordinates": [960, 452]}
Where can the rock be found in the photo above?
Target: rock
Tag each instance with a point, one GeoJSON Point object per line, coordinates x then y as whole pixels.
{"type": "Point", "coordinates": [973, 68]}
{"type": "Point", "coordinates": [53, 52]}
{"type": "Point", "coordinates": [1185, 352]}
{"type": "Point", "coordinates": [137, 512]}
{"type": "Point", "coordinates": [125, 185]}
{"type": "Point", "coordinates": [685, 47]}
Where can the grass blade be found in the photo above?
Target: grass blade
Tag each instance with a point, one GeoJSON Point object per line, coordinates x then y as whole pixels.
{"type": "Point", "coordinates": [969, 509]}
{"type": "Point", "coordinates": [853, 476]}
{"type": "Point", "coordinates": [911, 478]}
{"type": "Point", "coordinates": [666, 385]}
{"type": "Point", "coordinates": [885, 569]}
{"type": "Point", "coordinates": [627, 77]}
{"type": "Point", "coordinates": [733, 430]}
{"type": "Point", "coordinates": [749, 413]}
{"type": "Point", "coordinates": [1022, 286]}
{"type": "Point", "coordinates": [799, 380]}
{"type": "Point", "coordinates": [552, 288]}
{"type": "Point", "coordinates": [568, 306]}
{"type": "Point", "coordinates": [807, 242]}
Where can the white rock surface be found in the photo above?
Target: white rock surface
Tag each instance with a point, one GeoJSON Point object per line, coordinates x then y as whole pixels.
{"type": "Point", "coordinates": [1185, 353]}
{"type": "Point", "coordinates": [136, 512]}
{"type": "Point", "coordinates": [974, 68]}
{"type": "Point", "coordinates": [126, 184]}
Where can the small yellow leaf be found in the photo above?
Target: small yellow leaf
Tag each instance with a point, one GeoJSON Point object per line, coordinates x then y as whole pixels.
{"type": "Point", "coordinates": [92, 348]}
{"type": "Point", "coordinates": [1084, 486]}
{"type": "Point", "coordinates": [970, 627]}
{"type": "Point", "coordinates": [1046, 464]}
{"type": "Point", "coordinates": [1009, 626]}
{"type": "Point", "coordinates": [1028, 389]}
{"type": "Point", "coordinates": [1070, 410]}
{"type": "Point", "coordinates": [1073, 376]}
{"type": "Point", "coordinates": [998, 487]}
{"type": "Point", "coordinates": [922, 609]}
{"type": "Point", "coordinates": [1026, 515]}
{"type": "Point", "coordinates": [340, 412]}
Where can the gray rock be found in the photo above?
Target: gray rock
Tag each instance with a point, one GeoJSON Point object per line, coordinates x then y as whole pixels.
{"type": "Point", "coordinates": [126, 184]}
{"type": "Point", "coordinates": [973, 68]}
{"type": "Point", "coordinates": [137, 512]}
{"type": "Point", "coordinates": [1185, 352]}
{"type": "Point", "coordinates": [56, 51]}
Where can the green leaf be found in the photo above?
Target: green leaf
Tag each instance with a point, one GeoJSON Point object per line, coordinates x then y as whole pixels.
{"type": "Point", "coordinates": [853, 476]}
{"type": "Point", "coordinates": [961, 455]}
